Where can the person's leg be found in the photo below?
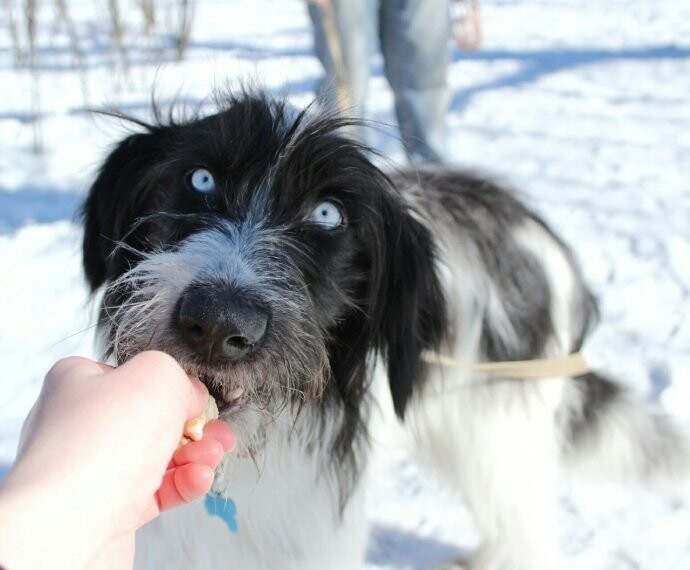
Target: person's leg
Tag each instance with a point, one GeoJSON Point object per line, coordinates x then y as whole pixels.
{"type": "Point", "coordinates": [344, 33]}
{"type": "Point", "coordinates": [414, 40]}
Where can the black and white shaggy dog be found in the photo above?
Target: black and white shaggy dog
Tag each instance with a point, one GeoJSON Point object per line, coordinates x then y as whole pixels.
{"type": "Point", "coordinates": [263, 250]}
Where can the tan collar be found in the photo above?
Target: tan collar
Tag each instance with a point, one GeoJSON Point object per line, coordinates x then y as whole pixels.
{"type": "Point", "coordinates": [570, 365]}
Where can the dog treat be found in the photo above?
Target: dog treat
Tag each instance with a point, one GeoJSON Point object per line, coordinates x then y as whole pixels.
{"type": "Point", "coordinates": [194, 428]}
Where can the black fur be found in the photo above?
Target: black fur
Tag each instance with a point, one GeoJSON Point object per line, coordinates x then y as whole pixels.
{"type": "Point", "coordinates": [371, 284]}
{"type": "Point", "coordinates": [486, 214]}
{"type": "Point", "coordinates": [598, 395]}
{"type": "Point", "coordinates": [335, 295]}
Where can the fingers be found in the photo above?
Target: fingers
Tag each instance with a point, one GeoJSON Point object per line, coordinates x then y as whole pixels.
{"type": "Point", "coordinates": [160, 373]}
{"type": "Point", "coordinates": [200, 397]}
{"type": "Point", "coordinates": [191, 469]}
{"type": "Point", "coordinates": [218, 440]}
{"type": "Point", "coordinates": [222, 433]}
{"type": "Point", "coordinates": [189, 477]}
{"type": "Point", "coordinates": [149, 368]}
{"type": "Point", "coordinates": [184, 484]}
{"type": "Point", "coordinates": [206, 452]}
{"type": "Point", "coordinates": [63, 383]}
{"type": "Point", "coordinates": [70, 364]}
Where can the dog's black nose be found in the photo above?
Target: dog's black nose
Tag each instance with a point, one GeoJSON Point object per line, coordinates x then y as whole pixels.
{"type": "Point", "coordinates": [220, 323]}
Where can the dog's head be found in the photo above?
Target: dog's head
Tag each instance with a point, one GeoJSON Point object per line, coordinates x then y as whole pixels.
{"type": "Point", "coordinates": [264, 251]}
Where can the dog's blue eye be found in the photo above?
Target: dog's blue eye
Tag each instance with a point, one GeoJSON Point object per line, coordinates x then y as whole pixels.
{"type": "Point", "coordinates": [202, 181]}
{"type": "Point", "coordinates": [327, 215]}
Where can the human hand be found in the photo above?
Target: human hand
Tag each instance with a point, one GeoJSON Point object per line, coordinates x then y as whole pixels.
{"type": "Point", "coordinates": [467, 24]}
{"type": "Point", "coordinates": [98, 460]}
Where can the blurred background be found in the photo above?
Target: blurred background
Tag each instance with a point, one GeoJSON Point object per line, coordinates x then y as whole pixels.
{"type": "Point", "coordinates": [583, 105]}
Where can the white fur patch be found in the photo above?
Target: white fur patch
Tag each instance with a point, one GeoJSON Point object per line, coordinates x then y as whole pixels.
{"type": "Point", "coordinates": [495, 441]}
{"type": "Point", "coordinates": [287, 513]}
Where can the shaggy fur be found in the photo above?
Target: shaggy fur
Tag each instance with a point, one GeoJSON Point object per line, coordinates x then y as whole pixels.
{"type": "Point", "coordinates": [329, 263]}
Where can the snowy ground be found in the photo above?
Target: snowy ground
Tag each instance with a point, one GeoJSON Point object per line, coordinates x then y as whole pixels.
{"type": "Point", "coordinates": [584, 105]}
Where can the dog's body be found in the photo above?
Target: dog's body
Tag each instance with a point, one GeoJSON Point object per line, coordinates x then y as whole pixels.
{"type": "Point", "coordinates": [270, 257]}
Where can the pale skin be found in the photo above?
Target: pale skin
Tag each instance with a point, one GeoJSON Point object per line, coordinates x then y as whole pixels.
{"type": "Point", "coordinates": [98, 460]}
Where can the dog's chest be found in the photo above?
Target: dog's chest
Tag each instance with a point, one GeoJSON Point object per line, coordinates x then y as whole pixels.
{"type": "Point", "coordinates": [284, 514]}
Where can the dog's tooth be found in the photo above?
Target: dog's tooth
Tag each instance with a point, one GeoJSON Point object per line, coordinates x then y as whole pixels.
{"type": "Point", "coordinates": [236, 393]}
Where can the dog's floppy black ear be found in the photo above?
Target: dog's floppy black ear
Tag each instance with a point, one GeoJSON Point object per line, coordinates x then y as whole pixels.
{"type": "Point", "coordinates": [411, 306]}
{"type": "Point", "coordinates": [115, 200]}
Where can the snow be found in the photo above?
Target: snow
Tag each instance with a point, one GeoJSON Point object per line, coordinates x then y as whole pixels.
{"type": "Point", "coordinates": [583, 105]}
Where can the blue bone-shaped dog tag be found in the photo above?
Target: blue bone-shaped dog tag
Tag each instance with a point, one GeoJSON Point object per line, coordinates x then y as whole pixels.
{"type": "Point", "coordinates": [223, 508]}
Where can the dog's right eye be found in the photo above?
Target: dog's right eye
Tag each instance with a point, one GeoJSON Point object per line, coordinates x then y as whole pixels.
{"type": "Point", "coordinates": [202, 181]}
{"type": "Point", "coordinates": [327, 215]}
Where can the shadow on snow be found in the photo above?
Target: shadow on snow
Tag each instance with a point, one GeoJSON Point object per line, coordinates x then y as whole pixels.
{"type": "Point", "coordinates": [36, 205]}
{"type": "Point", "coordinates": [396, 547]}
{"type": "Point", "coordinates": [538, 63]}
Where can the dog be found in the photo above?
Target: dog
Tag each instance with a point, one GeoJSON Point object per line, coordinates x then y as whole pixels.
{"type": "Point", "coordinates": [263, 250]}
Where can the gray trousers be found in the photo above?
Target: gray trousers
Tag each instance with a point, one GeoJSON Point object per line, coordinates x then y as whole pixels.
{"type": "Point", "coordinates": [413, 38]}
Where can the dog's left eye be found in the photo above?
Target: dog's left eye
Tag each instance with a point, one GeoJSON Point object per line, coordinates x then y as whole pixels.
{"type": "Point", "coordinates": [327, 215]}
{"type": "Point", "coordinates": [202, 181]}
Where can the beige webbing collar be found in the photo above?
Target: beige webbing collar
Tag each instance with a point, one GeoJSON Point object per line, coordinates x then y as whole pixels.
{"type": "Point", "coordinates": [570, 365]}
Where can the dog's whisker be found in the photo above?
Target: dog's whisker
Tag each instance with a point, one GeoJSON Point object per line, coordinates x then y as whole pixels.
{"type": "Point", "coordinates": [72, 335]}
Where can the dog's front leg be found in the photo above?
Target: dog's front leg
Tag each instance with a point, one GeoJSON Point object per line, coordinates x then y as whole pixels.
{"type": "Point", "coordinates": [498, 446]}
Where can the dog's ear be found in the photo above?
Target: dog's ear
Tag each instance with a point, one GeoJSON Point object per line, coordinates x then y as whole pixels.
{"type": "Point", "coordinates": [115, 200]}
{"type": "Point", "coordinates": [409, 308]}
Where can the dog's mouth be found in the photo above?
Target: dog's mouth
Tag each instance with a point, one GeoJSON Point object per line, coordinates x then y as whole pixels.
{"type": "Point", "coordinates": [228, 400]}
